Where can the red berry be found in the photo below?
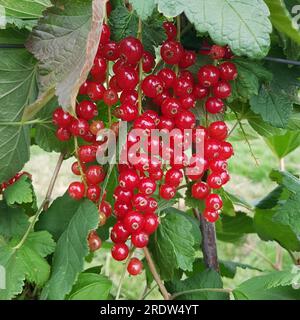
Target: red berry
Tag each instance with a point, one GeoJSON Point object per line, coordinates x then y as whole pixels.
{"type": "Point", "coordinates": [156, 175]}
{"type": "Point", "coordinates": [105, 34]}
{"type": "Point", "coordinates": [151, 223]}
{"type": "Point", "coordinates": [170, 107]}
{"type": "Point", "coordinates": [130, 50]}
{"type": "Point", "coordinates": [128, 112]}
{"type": "Point", "coordinates": [79, 127]}
{"type": "Point", "coordinates": [96, 126]}
{"type": "Point", "coordinates": [94, 241]}
{"type": "Point", "coordinates": [110, 97]}
{"type": "Point", "coordinates": [153, 115]}
{"type": "Point", "coordinates": [75, 168]}
{"type": "Point", "coordinates": [167, 192]}
{"type": "Point", "coordinates": [63, 134]}
{"type": "Point", "coordinates": [95, 91]}
{"type": "Point", "coordinates": [183, 87]}
{"type": "Point", "coordinates": [152, 86]}
{"type": "Point", "coordinates": [228, 71]}
{"type": "Point", "coordinates": [218, 130]}
{"type": "Point", "coordinates": [120, 251]}
{"type": "Point", "coordinates": [170, 29]}
{"type": "Point", "coordinates": [105, 207]}
{"type": "Point", "coordinates": [140, 239]}
{"type": "Point", "coordinates": [214, 202]}
{"type": "Point", "coordinates": [110, 51]}
{"type": "Point", "coordinates": [123, 195]}
{"type": "Point", "coordinates": [86, 110]}
{"type": "Point", "coordinates": [133, 221]}
{"type": "Point", "coordinates": [166, 123]}
{"type": "Point", "coordinates": [188, 102]}
{"type": "Point", "coordinates": [185, 119]}
{"type": "Point", "coordinates": [225, 177]}
{"type": "Point", "coordinates": [200, 92]}
{"type": "Point", "coordinates": [127, 78]}
{"type": "Point", "coordinates": [93, 193]}
{"type": "Point", "coordinates": [121, 209]}
{"type": "Point", "coordinates": [87, 153]}
{"type": "Point", "coordinates": [158, 100]}
{"type": "Point", "coordinates": [99, 68]}
{"type": "Point", "coordinates": [76, 190]}
{"type": "Point", "coordinates": [208, 75]}
{"type": "Point", "coordinates": [61, 119]}
{"type": "Point", "coordinates": [217, 52]}
{"type": "Point", "coordinates": [168, 77]}
{"type": "Point", "coordinates": [200, 190]}
{"type": "Point", "coordinates": [218, 165]}
{"type": "Point", "coordinates": [118, 233]}
{"type": "Point", "coordinates": [214, 181]}
{"type": "Point", "coordinates": [211, 148]}
{"type": "Point", "coordinates": [140, 201]}
{"type": "Point", "coordinates": [222, 90]}
{"type": "Point", "coordinates": [226, 151]}
{"type": "Point", "coordinates": [144, 122]}
{"type": "Point", "coordinates": [130, 97]}
{"type": "Point", "coordinates": [95, 174]}
{"type": "Point", "coordinates": [129, 179]}
{"type": "Point", "coordinates": [148, 62]}
{"type": "Point", "coordinates": [113, 84]}
{"type": "Point", "coordinates": [147, 186]}
{"type": "Point", "coordinates": [83, 88]}
{"type": "Point", "coordinates": [134, 267]}
{"type": "Point", "coordinates": [173, 177]}
{"type": "Point", "coordinates": [210, 215]}
{"type": "Point", "coordinates": [171, 52]}
{"type": "Point", "coordinates": [214, 105]}
{"type": "Point", "coordinates": [188, 59]}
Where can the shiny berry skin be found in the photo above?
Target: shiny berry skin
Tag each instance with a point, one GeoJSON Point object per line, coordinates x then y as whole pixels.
{"type": "Point", "coordinates": [140, 239]}
{"type": "Point", "coordinates": [200, 190]}
{"type": "Point", "coordinates": [147, 186]}
{"type": "Point", "coordinates": [63, 134]}
{"type": "Point", "coordinates": [214, 202]}
{"type": "Point", "coordinates": [135, 266]}
{"type": "Point", "coordinates": [94, 241]}
{"type": "Point", "coordinates": [188, 59]}
{"type": "Point", "coordinates": [105, 34]}
{"type": "Point", "coordinates": [86, 110]}
{"type": "Point", "coordinates": [128, 112]}
{"type": "Point", "coordinates": [228, 71]}
{"type": "Point", "coordinates": [95, 91]}
{"type": "Point", "coordinates": [105, 208]}
{"type": "Point", "coordinates": [208, 76]}
{"type": "Point", "coordinates": [212, 148]}
{"type": "Point", "coordinates": [152, 86]}
{"type": "Point", "coordinates": [211, 215]}
{"type": "Point", "coordinates": [167, 192]}
{"type": "Point", "coordinates": [79, 127]}
{"type": "Point", "coordinates": [225, 177]}
{"type": "Point", "coordinates": [171, 52]}
{"type": "Point", "coordinates": [183, 87]}
{"type": "Point", "coordinates": [166, 123]}
{"type": "Point", "coordinates": [75, 168]}
{"type": "Point", "coordinates": [200, 92]}
{"type": "Point", "coordinates": [113, 84]}
{"type": "Point", "coordinates": [96, 126]}
{"type": "Point", "coordinates": [144, 122]}
{"type": "Point", "coordinates": [118, 233]}
{"type": "Point", "coordinates": [214, 105]}
{"type": "Point", "coordinates": [130, 97]}
{"type": "Point", "coordinates": [83, 88]}
{"type": "Point", "coordinates": [226, 151]}
{"type": "Point", "coordinates": [120, 251]}
{"type": "Point", "coordinates": [173, 177]}
{"type": "Point", "coordinates": [170, 107]}
{"type": "Point", "coordinates": [158, 100]}
{"type": "Point", "coordinates": [133, 221]}
{"type": "Point", "coordinates": [127, 78]}
{"type": "Point", "coordinates": [95, 174]}
{"type": "Point", "coordinates": [217, 52]}
{"type": "Point", "coordinates": [214, 181]}
{"type": "Point", "coordinates": [61, 119]}
{"type": "Point", "coordinates": [148, 62]}
{"type": "Point", "coordinates": [222, 90]}
{"type": "Point", "coordinates": [129, 179]}
{"type": "Point", "coordinates": [121, 209]}
{"type": "Point", "coordinates": [168, 77]}
{"type": "Point", "coordinates": [87, 153]}
{"type": "Point", "coordinates": [185, 119]}
{"type": "Point", "coordinates": [140, 201]}
{"type": "Point", "coordinates": [153, 115]}
{"type": "Point", "coordinates": [123, 195]}
{"type": "Point", "coordinates": [99, 68]}
{"type": "Point", "coordinates": [151, 223]}
{"type": "Point", "coordinates": [156, 174]}
{"type": "Point", "coordinates": [76, 190]}
{"type": "Point", "coordinates": [130, 50]}
{"type": "Point", "coordinates": [228, 53]}
{"type": "Point", "coordinates": [110, 97]}
{"type": "Point", "coordinates": [152, 206]}
{"type": "Point", "coordinates": [110, 51]}
{"type": "Point", "coordinates": [93, 193]}
{"type": "Point", "coordinates": [218, 130]}
{"type": "Point", "coordinates": [170, 29]}
{"type": "Point", "coordinates": [188, 102]}
{"type": "Point", "coordinates": [218, 165]}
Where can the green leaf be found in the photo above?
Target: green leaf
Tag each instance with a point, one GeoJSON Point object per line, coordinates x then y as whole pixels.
{"type": "Point", "coordinates": [71, 249]}
{"type": "Point", "coordinates": [286, 179]}
{"type": "Point", "coordinates": [65, 43]}
{"type": "Point", "coordinates": [13, 221]}
{"type": "Point", "coordinates": [243, 25]}
{"type": "Point", "coordinates": [233, 229]}
{"type": "Point", "coordinates": [170, 251]}
{"type": "Point", "coordinates": [144, 8]}
{"type": "Point", "coordinates": [91, 286]}
{"type": "Point", "coordinates": [13, 36]}
{"type": "Point", "coordinates": [19, 192]}
{"type": "Point", "coordinates": [18, 89]}
{"type": "Point", "coordinates": [271, 200]}
{"type": "Point", "coordinates": [273, 286]}
{"type": "Point", "coordinates": [282, 19]}
{"type": "Point", "coordinates": [27, 262]}
{"type": "Point", "coordinates": [208, 279]}
{"type": "Point", "coordinates": [125, 23]}
{"type": "Point", "coordinates": [284, 144]}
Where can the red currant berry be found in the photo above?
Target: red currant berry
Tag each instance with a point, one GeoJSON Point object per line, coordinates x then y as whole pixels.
{"type": "Point", "coordinates": [133, 221]}
{"type": "Point", "coordinates": [120, 251]}
{"type": "Point", "coordinates": [228, 53]}
{"type": "Point", "coordinates": [214, 105]}
{"type": "Point", "coordinates": [95, 174]}
{"type": "Point", "coordinates": [86, 110]}
{"type": "Point", "coordinates": [158, 100]}
{"type": "Point", "coordinates": [144, 122]}
{"type": "Point", "coordinates": [83, 88]}
{"type": "Point", "coordinates": [168, 77]}
{"type": "Point", "coordinates": [217, 52]}
{"type": "Point", "coordinates": [222, 90]}
{"type": "Point", "coordinates": [156, 175]}
{"type": "Point", "coordinates": [188, 59]}
{"type": "Point", "coordinates": [166, 123]}
{"type": "Point", "coordinates": [61, 119]}
{"type": "Point", "coordinates": [214, 202]}
{"type": "Point", "coordinates": [148, 62]}
{"type": "Point", "coordinates": [98, 70]}
{"type": "Point", "coordinates": [170, 29]}
{"type": "Point", "coordinates": [218, 130]}
{"type": "Point", "coordinates": [135, 266]}
{"type": "Point", "coordinates": [94, 241]}
{"type": "Point", "coordinates": [173, 177]}
{"type": "Point", "coordinates": [128, 112]}
{"type": "Point", "coordinates": [110, 97]}
{"type": "Point", "coordinates": [123, 195]}
{"type": "Point", "coordinates": [131, 50]}
{"type": "Point", "coordinates": [226, 151]}
{"type": "Point", "coordinates": [95, 91]}
{"type": "Point", "coordinates": [185, 119]}
{"type": "Point", "coordinates": [188, 102]}
{"type": "Point", "coordinates": [110, 51]}
{"type": "Point", "coordinates": [183, 87]}
{"type": "Point", "coordinates": [63, 134]}
{"type": "Point", "coordinates": [225, 177]}
{"type": "Point", "coordinates": [118, 233]}
{"type": "Point", "coordinates": [170, 107]}
{"type": "Point", "coordinates": [140, 239]}
{"type": "Point", "coordinates": [75, 168]}
{"type": "Point", "coordinates": [210, 215]}
{"type": "Point", "coordinates": [228, 71]}
{"type": "Point", "coordinates": [167, 192]}
{"type": "Point", "coordinates": [214, 181]}
{"type": "Point", "coordinates": [171, 52]}
{"type": "Point", "coordinates": [208, 75]}
{"type": "Point", "coordinates": [140, 201]}
{"type": "Point", "coordinates": [113, 84]}
{"type": "Point", "coordinates": [152, 86]}
{"type": "Point", "coordinates": [105, 34]}
{"type": "Point", "coordinates": [93, 193]}
{"type": "Point", "coordinates": [211, 148]}
{"type": "Point", "coordinates": [96, 126]}
{"type": "Point", "coordinates": [200, 190]}
{"type": "Point", "coordinates": [218, 165]}
{"type": "Point", "coordinates": [127, 78]}
{"type": "Point", "coordinates": [79, 127]}
{"type": "Point", "coordinates": [151, 223]}
{"type": "Point", "coordinates": [76, 190]}
{"type": "Point", "coordinates": [153, 115]}
{"type": "Point", "coordinates": [200, 92]}
{"type": "Point", "coordinates": [129, 179]}
{"type": "Point", "coordinates": [121, 209]}
{"type": "Point", "coordinates": [130, 97]}
{"type": "Point", "coordinates": [87, 153]}
{"type": "Point", "coordinates": [147, 186]}
{"type": "Point", "coordinates": [105, 208]}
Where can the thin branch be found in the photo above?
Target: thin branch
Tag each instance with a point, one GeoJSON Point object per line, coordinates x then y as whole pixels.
{"type": "Point", "coordinates": [155, 274]}
{"type": "Point", "coordinates": [123, 275]}
{"type": "Point", "coordinates": [46, 201]}
{"type": "Point", "coordinates": [148, 292]}
{"type": "Point", "coordinates": [176, 295]}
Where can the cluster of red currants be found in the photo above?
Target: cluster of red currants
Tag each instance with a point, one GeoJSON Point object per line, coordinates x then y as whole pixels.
{"type": "Point", "coordinates": [12, 180]}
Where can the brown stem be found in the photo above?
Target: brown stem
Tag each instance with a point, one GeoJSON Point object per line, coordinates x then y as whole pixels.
{"type": "Point", "coordinates": [155, 274]}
